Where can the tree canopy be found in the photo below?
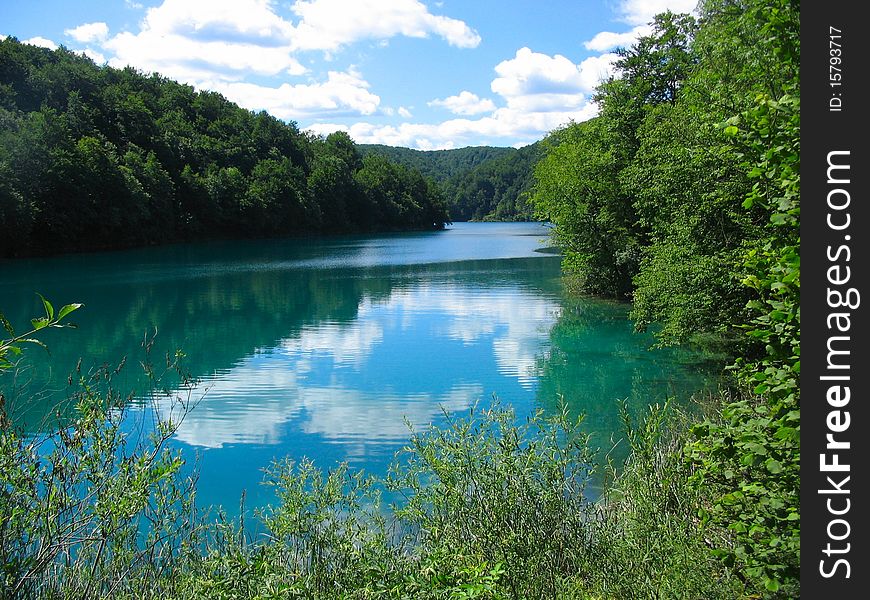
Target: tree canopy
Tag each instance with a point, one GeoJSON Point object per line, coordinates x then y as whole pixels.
{"type": "Point", "coordinates": [683, 196]}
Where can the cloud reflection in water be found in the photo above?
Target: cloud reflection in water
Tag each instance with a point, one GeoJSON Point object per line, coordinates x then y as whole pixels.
{"type": "Point", "coordinates": [427, 347]}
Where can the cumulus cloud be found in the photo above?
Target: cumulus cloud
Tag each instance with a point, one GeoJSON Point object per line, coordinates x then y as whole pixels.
{"type": "Point", "coordinates": [540, 92]}
{"type": "Point", "coordinates": [596, 69]}
{"type": "Point", "coordinates": [89, 32]}
{"type": "Point", "coordinates": [41, 41]}
{"type": "Point", "coordinates": [222, 44]}
{"type": "Point", "coordinates": [196, 40]}
{"type": "Point", "coordinates": [640, 12]}
{"type": "Point", "coordinates": [95, 56]}
{"type": "Point", "coordinates": [239, 21]}
{"type": "Point", "coordinates": [330, 24]}
{"type": "Point", "coordinates": [516, 125]}
{"type": "Point", "coordinates": [465, 103]}
{"type": "Point", "coordinates": [539, 82]}
{"type": "Point", "coordinates": [192, 61]}
{"type": "Point", "coordinates": [342, 94]}
{"type": "Point", "coordinates": [534, 73]}
{"type": "Point", "coordinates": [607, 40]}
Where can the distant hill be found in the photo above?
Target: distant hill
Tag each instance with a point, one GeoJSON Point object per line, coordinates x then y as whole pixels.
{"type": "Point", "coordinates": [482, 183]}
{"type": "Point", "coordinates": [440, 165]}
{"type": "Point", "coordinates": [93, 157]}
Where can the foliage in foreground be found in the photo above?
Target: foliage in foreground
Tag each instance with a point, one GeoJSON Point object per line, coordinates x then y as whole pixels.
{"type": "Point", "coordinates": [87, 504]}
{"type": "Point", "coordinates": [490, 508]}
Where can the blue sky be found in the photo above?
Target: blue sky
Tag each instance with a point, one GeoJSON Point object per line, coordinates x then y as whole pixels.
{"type": "Point", "coordinates": [421, 74]}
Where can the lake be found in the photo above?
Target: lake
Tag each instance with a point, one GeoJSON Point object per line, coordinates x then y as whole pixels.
{"type": "Point", "coordinates": [331, 348]}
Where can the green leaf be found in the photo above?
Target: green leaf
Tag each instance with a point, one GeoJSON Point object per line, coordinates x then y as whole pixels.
{"type": "Point", "coordinates": [777, 219]}
{"type": "Point", "coordinates": [7, 325]}
{"type": "Point", "coordinates": [68, 309]}
{"type": "Point", "coordinates": [756, 448]}
{"type": "Point", "coordinates": [774, 466]}
{"type": "Point", "coordinates": [39, 323]}
{"type": "Point", "coordinates": [49, 309]}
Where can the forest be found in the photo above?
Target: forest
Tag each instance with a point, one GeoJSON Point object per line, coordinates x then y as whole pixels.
{"type": "Point", "coordinates": [96, 157]}
{"type": "Point", "coordinates": [479, 183]}
{"type": "Point", "coordinates": [681, 196]}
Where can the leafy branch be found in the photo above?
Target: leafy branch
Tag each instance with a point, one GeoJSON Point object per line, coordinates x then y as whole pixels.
{"type": "Point", "coordinates": [12, 346]}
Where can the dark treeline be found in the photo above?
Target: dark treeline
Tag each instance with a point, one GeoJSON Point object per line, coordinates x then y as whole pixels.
{"type": "Point", "coordinates": [96, 157]}
{"type": "Point", "coordinates": [683, 196]}
{"type": "Point", "coordinates": [480, 183]}
{"type": "Point", "coordinates": [440, 165]}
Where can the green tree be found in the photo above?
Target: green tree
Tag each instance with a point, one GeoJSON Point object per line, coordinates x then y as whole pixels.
{"type": "Point", "coordinates": [277, 198]}
{"type": "Point", "coordinates": [577, 189]}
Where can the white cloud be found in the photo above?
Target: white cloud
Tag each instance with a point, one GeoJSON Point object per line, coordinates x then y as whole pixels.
{"type": "Point", "coordinates": [221, 44]}
{"type": "Point", "coordinates": [534, 73]}
{"type": "Point", "coordinates": [404, 113]}
{"type": "Point", "coordinates": [322, 24]}
{"type": "Point", "coordinates": [596, 69]}
{"type": "Point", "coordinates": [238, 21]}
{"type": "Point", "coordinates": [539, 83]}
{"type": "Point", "coordinates": [41, 41]}
{"type": "Point", "coordinates": [465, 103]}
{"type": "Point", "coordinates": [640, 12]}
{"type": "Point", "coordinates": [330, 24]}
{"type": "Point", "coordinates": [515, 126]}
{"type": "Point", "coordinates": [89, 32]}
{"type": "Point", "coordinates": [541, 93]}
{"type": "Point", "coordinates": [342, 94]}
{"type": "Point", "coordinates": [95, 56]}
{"type": "Point", "coordinates": [198, 40]}
{"type": "Point", "coordinates": [192, 61]}
{"type": "Point", "coordinates": [607, 40]}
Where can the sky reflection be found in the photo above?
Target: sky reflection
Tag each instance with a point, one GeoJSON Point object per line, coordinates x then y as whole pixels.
{"type": "Point", "coordinates": [405, 359]}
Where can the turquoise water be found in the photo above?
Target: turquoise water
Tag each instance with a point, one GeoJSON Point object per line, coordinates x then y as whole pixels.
{"type": "Point", "coordinates": [331, 348]}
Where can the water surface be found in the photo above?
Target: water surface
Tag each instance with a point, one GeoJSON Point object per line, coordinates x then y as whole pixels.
{"type": "Point", "coordinates": [331, 348]}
